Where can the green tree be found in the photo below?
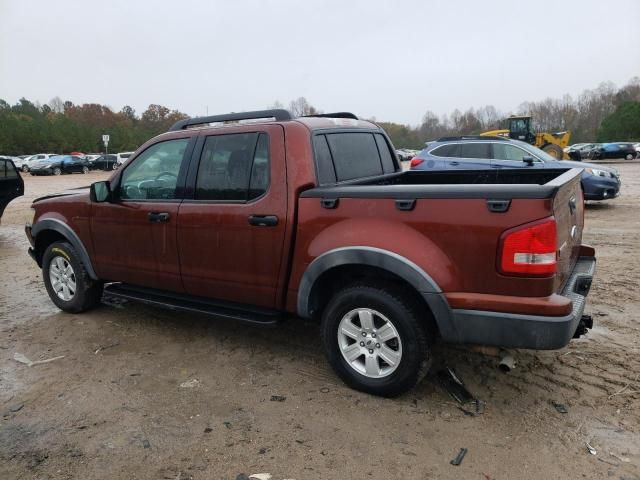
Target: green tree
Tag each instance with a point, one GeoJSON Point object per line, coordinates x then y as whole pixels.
{"type": "Point", "coordinates": [621, 125]}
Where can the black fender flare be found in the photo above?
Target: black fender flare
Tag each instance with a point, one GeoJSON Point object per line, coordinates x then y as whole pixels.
{"type": "Point", "coordinates": [386, 260]}
{"type": "Point", "coordinates": [63, 229]}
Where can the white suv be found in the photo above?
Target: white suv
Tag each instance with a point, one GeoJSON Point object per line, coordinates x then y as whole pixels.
{"type": "Point", "coordinates": [123, 157]}
{"type": "Point", "coordinates": [27, 162]}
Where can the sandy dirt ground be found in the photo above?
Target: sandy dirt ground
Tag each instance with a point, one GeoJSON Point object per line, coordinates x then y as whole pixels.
{"type": "Point", "coordinates": [145, 393]}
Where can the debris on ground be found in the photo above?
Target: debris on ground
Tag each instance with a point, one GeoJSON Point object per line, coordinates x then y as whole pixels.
{"type": "Point", "coordinates": [592, 450]}
{"type": "Point", "coordinates": [278, 398]}
{"type": "Point", "coordinates": [260, 476]}
{"type": "Point", "coordinates": [16, 408]}
{"type": "Point", "coordinates": [194, 382]}
{"type": "Point", "coordinates": [146, 444]}
{"type": "Point", "coordinates": [622, 459]}
{"type": "Point", "coordinates": [455, 387]}
{"type": "Point", "coordinates": [560, 407]}
{"type": "Point", "coordinates": [208, 430]}
{"type": "Point", "coordinates": [19, 357]}
{"type": "Point", "coordinates": [458, 460]}
{"type": "Point", "coordinates": [106, 347]}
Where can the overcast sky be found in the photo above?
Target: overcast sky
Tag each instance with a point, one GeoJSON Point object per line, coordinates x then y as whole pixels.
{"type": "Point", "coordinates": [393, 60]}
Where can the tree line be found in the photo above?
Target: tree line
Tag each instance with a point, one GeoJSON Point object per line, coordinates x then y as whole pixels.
{"type": "Point", "coordinates": [603, 114]}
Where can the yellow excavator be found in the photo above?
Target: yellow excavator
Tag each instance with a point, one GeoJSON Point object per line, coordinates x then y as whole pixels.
{"type": "Point", "coordinates": [520, 128]}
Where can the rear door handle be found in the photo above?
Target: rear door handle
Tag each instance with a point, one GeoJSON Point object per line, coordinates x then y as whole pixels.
{"type": "Point", "coordinates": [158, 217]}
{"type": "Point", "coordinates": [263, 220]}
{"type": "Point", "coordinates": [454, 163]}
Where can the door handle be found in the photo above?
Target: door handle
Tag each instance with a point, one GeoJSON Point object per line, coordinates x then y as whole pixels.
{"type": "Point", "coordinates": [263, 220]}
{"type": "Point", "coordinates": [158, 217]}
{"type": "Point", "coordinates": [454, 163]}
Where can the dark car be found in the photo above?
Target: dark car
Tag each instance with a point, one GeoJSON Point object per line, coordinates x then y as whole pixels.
{"type": "Point", "coordinates": [11, 183]}
{"type": "Point", "coordinates": [624, 150]}
{"type": "Point", "coordinates": [60, 164]}
{"type": "Point", "coordinates": [581, 150]}
{"type": "Point", "coordinates": [493, 153]}
{"type": "Point", "coordinates": [105, 162]}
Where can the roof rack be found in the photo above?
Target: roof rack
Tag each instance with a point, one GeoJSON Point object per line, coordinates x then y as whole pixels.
{"type": "Point", "coordinates": [278, 114]}
{"type": "Point", "coordinates": [472, 137]}
{"type": "Point", "coordinates": [335, 115]}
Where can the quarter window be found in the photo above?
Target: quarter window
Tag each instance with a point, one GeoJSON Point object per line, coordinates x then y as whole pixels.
{"type": "Point", "coordinates": [153, 175]}
{"type": "Point", "coordinates": [355, 155]}
{"type": "Point", "coordinates": [233, 167]}
{"type": "Point", "coordinates": [450, 150]}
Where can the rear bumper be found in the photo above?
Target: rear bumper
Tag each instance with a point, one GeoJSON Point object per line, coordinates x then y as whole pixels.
{"type": "Point", "coordinates": [528, 331]}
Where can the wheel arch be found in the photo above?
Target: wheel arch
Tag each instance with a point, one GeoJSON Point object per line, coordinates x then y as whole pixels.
{"type": "Point", "coordinates": [50, 230]}
{"type": "Point", "coordinates": [335, 268]}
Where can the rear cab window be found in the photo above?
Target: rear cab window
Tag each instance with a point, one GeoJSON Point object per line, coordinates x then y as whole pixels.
{"type": "Point", "coordinates": [343, 156]}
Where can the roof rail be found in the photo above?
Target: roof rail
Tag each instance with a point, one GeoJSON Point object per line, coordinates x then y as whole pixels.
{"type": "Point", "coordinates": [472, 137]}
{"type": "Point", "coordinates": [334, 115]}
{"type": "Point", "coordinates": [278, 114]}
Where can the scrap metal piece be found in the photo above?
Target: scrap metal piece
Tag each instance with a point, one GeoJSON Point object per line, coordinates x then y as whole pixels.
{"type": "Point", "coordinates": [458, 460]}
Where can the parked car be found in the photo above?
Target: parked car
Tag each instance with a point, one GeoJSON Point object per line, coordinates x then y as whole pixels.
{"type": "Point", "coordinates": [11, 183]}
{"type": "Point", "coordinates": [637, 147]}
{"type": "Point", "coordinates": [17, 161]}
{"type": "Point", "coordinates": [314, 218]}
{"type": "Point", "coordinates": [59, 164]}
{"type": "Point", "coordinates": [37, 158]}
{"type": "Point", "coordinates": [614, 150]}
{"type": "Point", "coordinates": [105, 162]}
{"type": "Point", "coordinates": [577, 153]}
{"type": "Point", "coordinates": [123, 157]}
{"type": "Point", "coordinates": [599, 182]}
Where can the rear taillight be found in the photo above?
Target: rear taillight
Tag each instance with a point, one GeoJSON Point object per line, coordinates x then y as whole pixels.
{"type": "Point", "coordinates": [531, 249]}
{"type": "Point", "coordinates": [415, 161]}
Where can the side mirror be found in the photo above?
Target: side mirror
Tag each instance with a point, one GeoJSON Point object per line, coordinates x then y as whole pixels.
{"type": "Point", "coordinates": [528, 161]}
{"type": "Point", "coordinates": [100, 192]}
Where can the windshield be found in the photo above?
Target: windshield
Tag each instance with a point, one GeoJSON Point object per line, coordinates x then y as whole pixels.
{"type": "Point", "coordinates": [535, 151]}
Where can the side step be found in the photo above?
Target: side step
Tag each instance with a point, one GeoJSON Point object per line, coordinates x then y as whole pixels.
{"type": "Point", "coordinates": [188, 303]}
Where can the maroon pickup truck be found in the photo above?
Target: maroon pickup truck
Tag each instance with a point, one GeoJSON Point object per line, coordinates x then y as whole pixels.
{"type": "Point", "coordinates": [258, 216]}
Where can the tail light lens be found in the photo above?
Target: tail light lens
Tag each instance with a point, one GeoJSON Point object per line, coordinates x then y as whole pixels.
{"type": "Point", "coordinates": [530, 249]}
{"type": "Point", "coordinates": [415, 161]}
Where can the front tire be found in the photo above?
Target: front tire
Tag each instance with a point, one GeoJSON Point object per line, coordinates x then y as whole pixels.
{"type": "Point", "coordinates": [85, 170]}
{"type": "Point", "coordinates": [67, 281]}
{"type": "Point", "coordinates": [629, 156]}
{"type": "Point", "coordinates": [57, 171]}
{"type": "Point", "coordinates": [25, 169]}
{"type": "Point", "coordinates": [554, 150]}
{"type": "Point", "coordinates": [374, 339]}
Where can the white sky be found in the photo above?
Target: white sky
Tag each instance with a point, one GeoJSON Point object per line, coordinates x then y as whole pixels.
{"type": "Point", "coordinates": [393, 60]}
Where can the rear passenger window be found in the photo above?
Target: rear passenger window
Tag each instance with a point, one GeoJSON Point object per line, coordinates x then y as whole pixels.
{"type": "Point", "coordinates": [7, 170]}
{"type": "Point", "coordinates": [388, 165]}
{"type": "Point", "coordinates": [233, 167]}
{"type": "Point", "coordinates": [326, 172]}
{"type": "Point", "coordinates": [355, 155]}
{"type": "Point", "coordinates": [475, 150]}
{"type": "Point", "coordinates": [451, 150]}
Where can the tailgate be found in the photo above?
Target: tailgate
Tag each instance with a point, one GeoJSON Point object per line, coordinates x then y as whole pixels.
{"type": "Point", "coordinates": [568, 210]}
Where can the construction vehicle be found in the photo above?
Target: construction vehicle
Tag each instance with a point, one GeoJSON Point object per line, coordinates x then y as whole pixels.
{"type": "Point", "coordinates": [520, 128]}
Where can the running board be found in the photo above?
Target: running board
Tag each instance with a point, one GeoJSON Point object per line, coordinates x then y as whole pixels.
{"type": "Point", "coordinates": [188, 303]}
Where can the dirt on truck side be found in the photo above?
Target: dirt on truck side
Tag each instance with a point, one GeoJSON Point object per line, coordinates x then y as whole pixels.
{"type": "Point", "coordinates": [141, 392]}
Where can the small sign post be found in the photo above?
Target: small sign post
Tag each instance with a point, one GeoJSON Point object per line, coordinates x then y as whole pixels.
{"type": "Point", "coordinates": [105, 140]}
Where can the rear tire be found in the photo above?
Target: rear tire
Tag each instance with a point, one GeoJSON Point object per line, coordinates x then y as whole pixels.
{"type": "Point", "coordinates": [554, 150]}
{"type": "Point", "coordinates": [629, 156]}
{"type": "Point", "coordinates": [386, 365]}
{"type": "Point", "coordinates": [57, 171]}
{"type": "Point", "coordinates": [85, 170]}
{"type": "Point", "coordinates": [25, 169]}
{"type": "Point", "coordinates": [67, 281]}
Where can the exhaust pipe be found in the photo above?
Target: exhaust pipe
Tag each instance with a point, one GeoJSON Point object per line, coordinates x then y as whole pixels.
{"type": "Point", "coordinates": [507, 362]}
{"type": "Point", "coordinates": [585, 324]}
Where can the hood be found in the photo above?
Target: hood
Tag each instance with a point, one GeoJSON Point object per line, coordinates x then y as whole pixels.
{"type": "Point", "coordinates": [589, 165]}
{"type": "Point", "coordinates": [72, 191]}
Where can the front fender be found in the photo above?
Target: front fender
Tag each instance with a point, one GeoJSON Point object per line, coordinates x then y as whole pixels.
{"type": "Point", "coordinates": [63, 229]}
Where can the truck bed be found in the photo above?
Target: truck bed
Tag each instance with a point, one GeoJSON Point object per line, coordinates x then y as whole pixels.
{"type": "Point", "coordinates": [498, 184]}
